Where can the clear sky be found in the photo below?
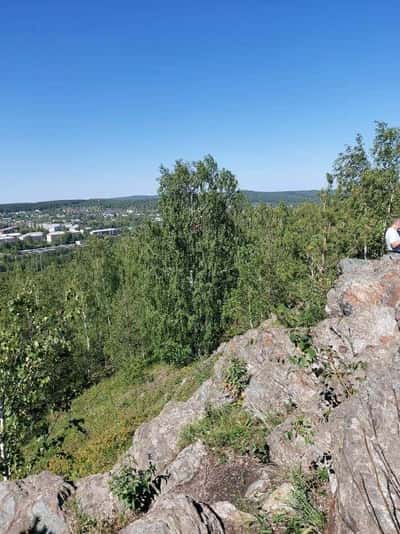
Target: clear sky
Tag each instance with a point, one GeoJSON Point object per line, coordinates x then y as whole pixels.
{"type": "Point", "coordinates": [96, 94]}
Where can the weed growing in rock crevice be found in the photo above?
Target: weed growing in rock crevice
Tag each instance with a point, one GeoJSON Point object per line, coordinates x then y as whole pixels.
{"type": "Point", "coordinates": [301, 426]}
{"type": "Point", "coordinates": [307, 515]}
{"type": "Point", "coordinates": [308, 353]}
{"type": "Point", "coordinates": [82, 523]}
{"type": "Point", "coordinates": [136, 489]}
{"type": "Point", "coordinates": [236, 377]}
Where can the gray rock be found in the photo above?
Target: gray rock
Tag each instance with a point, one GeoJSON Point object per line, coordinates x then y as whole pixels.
{"type": "Point", "coordinates": [158, 440]}
{"type": "Point", "coordinates": [371, 283]}
{"type": "Point", "coordinates": [94, 498]}
{"type": "Point", "coordinates": [299, 441]}
{"type": "Point", "coordinates": [260, 487]}
{"type": "Point", "coordinates": [36, 502]}
{"type": "Point", "coordinates": [234, 520]}
{"type": "Point", "coordinates": [178, 514]}
{"type": "Point", "coordinates": [279, 500]}
{"type": "Point", "coordinates": [275, 383]}
{"type": "Point", "coordinates": [367, 457]}
{"type": "Point", "coordinates": [353, 265]}
{"type": "Point", "coordinates": [373, 326]}
{"type": "Point", "coordinates": [185, 467]}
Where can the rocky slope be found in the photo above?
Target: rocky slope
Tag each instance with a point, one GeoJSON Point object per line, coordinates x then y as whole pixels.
{"type": "Point", "coordinates": [338, 408]}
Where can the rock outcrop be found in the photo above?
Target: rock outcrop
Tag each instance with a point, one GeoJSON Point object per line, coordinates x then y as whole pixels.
{"type": "Point", "coordinates": [177, 514]}
{"type": "Point", "coordinates": [341, 410]}
{"type": "Point", "coordinates": [35, 504]}
{"type": "Point", "coordinates": [158, 440]}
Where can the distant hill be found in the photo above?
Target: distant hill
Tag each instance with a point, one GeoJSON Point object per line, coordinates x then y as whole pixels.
{"type": "Point", "coordinates": [255, 197]}
{"type": "Point", "coordinates": [102, 203]}
{"type": "Point", "coordinates": [287, 197]}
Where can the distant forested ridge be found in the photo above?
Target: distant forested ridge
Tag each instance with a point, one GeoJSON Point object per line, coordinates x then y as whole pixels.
{"type": "Point", "coordinates": [286, 197]}
{"type": "Point", "coordinates": [255, 197]}
{"type": "Point", "coordinates": [102, 203]}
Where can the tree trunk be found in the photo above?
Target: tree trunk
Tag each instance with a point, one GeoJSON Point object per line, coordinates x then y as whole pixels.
{"type": "Point", "coordinates": [3, 457]}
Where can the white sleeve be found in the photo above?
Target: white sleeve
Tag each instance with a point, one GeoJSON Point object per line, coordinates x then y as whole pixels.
{"type": "Point", "coordinates": [392, 236]}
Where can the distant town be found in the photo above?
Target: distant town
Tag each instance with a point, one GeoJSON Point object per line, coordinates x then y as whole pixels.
{"type": "Point", "coordinates": [57, 226]}
{"type": "Point", "coordinates": [65, 224]}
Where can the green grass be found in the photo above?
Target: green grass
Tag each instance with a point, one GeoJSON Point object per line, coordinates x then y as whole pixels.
{"type": "Point", "coordinates": [231, 428]}
{"type": "Point", "coordinates": [109, 413]}
{"type": "Point", "coordinates": [307, 500]}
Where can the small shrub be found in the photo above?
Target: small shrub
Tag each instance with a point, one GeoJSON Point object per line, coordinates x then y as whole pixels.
{"type": "Point", "coordinates": [301, 426]}
{"type": "Point", "coordinates": [323, 474]}
{"type": "Point", "coordinates": [136, 489]}
{"type": "Point", "coordinates": [236, 377]}
{"type": "Point", "coordinates": [308, 352]}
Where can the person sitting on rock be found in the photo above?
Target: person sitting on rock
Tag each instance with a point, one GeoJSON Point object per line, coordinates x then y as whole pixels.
{"type": "Point", "coordinates": [392, 237]}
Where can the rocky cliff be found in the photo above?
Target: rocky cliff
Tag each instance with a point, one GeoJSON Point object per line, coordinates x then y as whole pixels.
{"type": "Point", "coordinates": [338, 402]}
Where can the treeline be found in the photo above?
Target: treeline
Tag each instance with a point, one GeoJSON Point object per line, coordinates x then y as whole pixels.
{"type": "Point", "coordinates": [141, 202]}
{"type": "Point", "coordinates": [150, 202]}
{"type": "Point", "coordinates": [172, 290]}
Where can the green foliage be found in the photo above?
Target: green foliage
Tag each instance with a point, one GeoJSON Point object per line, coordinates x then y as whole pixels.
{"type": "Point", "coordinates": [35, 356]}
{"type": "Point", "coordinates": [307, 516]}
{"type": "Point", "coordinates": [264, 524]}
{"type": "Point", "coordinates": [136, 488]}
{"type": "Point", "coordinates": [187, 261]}
{"type": "Point", "coordinates": [322, 474]}
{"type": "Point", "coordinates": [230, 428]}
{"type": "Point", "coordinates": [308, 352]}
{"type": "Point", "coordinates": [236, 377]}
{"type": "Point", "coordinates": [103, 437]}
{"type": "Point", "coordinates": [301, 426]}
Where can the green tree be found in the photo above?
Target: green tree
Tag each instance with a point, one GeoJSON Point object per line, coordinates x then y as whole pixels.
{"type": "Point", "coordinates": [188, 260]}
{"type": "Point", "coordinates": [35, 373]}
{"type": "Point", "coordinates": [367, 189]}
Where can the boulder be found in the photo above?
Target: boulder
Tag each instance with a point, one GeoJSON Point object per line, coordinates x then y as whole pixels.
{"type": "Point", "coordinates": [186, 466]}
{"type": "Point", "coordinates": [234, 520]}
{"type": "Point", "coordinates": [258, 489]}
{"type": "Point", "coordinates": [34, 504]}
{"type": "Point", "coordinates": [365, 283]}
{"type": "Point", "coordinates": [94, 498]}
{"type": "Point", "coordinates": [275, 382]}
{"type": "Point", "coordinates": [158, 440]}
{"type": "Point", "coordinates": [178, 514]}
{"type": "Point", "coordinates": [347, 337]}
{"type": "Point", "coordinates": [199, 473]}
{"type": "Point", "coordinates": [279, 500]}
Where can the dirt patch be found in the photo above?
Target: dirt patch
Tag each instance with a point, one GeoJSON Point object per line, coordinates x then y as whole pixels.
{"type": "Point", "coordinates": [222, 481]}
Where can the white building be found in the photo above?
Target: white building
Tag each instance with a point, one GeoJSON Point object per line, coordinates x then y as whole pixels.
{"type": "Point", "coordinates": [7, 230]}
{"type": "Point", "coordinates": [55, 237]}
{"type": "Point", "coordinates": [105, 231]}
{"type": "Point", "coordinates": [9, 238]}
{"type": "Point", "coordinates": [53, 227]}
{"type": "Point", "coordinates": [34, 236]}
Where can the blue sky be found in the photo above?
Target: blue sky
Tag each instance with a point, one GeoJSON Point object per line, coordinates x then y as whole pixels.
{"type": "Point", "coordinates": [95, 95]}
